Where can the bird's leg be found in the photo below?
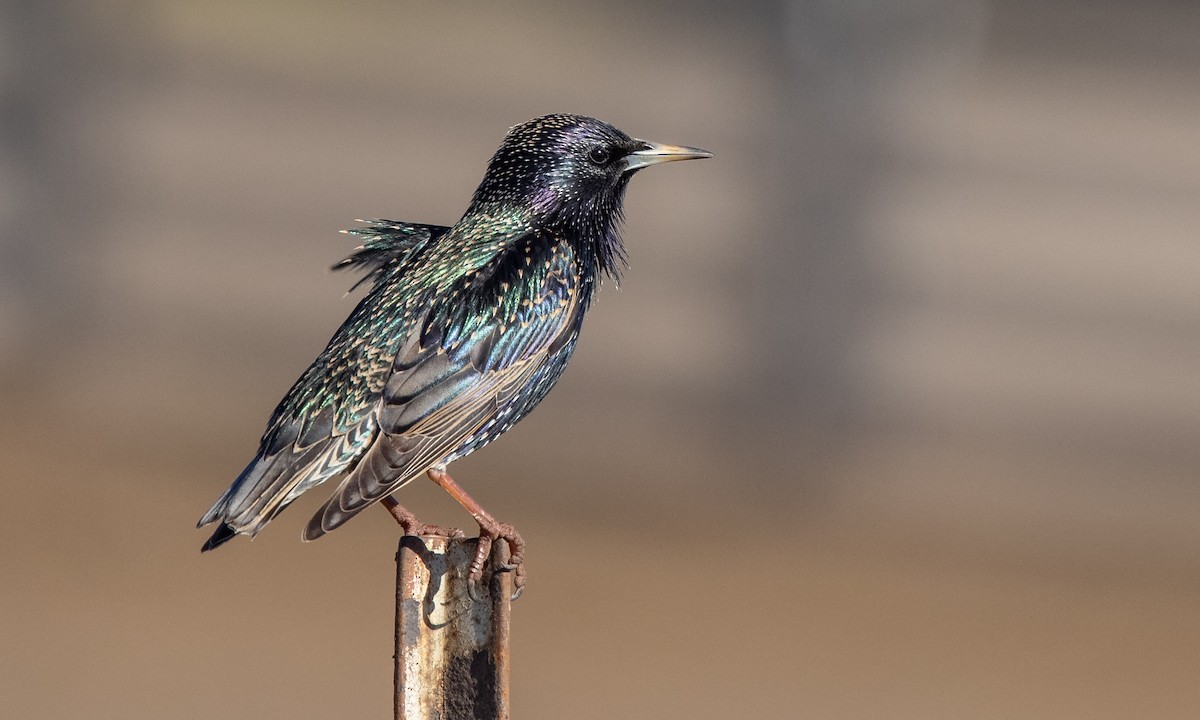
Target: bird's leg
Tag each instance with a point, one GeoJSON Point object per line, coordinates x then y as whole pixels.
{"type": "Point", "coordinates": [490, 530]}
{"type": "Point", "coordinates": [413, 526]}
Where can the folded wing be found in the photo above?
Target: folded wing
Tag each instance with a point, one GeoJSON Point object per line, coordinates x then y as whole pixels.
{"type": "Point", "coordinates": [468, 373]}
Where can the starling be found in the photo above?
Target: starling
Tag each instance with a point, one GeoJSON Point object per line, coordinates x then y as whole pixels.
{"type": "Point", "coordinates": [463, 331]}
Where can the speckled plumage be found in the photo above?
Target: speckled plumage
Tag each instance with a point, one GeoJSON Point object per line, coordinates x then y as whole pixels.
{"type": "Point", "coordinates": [463, 330]}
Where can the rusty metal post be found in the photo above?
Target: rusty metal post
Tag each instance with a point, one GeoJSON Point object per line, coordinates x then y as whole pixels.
{"type": "Point", "coordinates": [451, 652]}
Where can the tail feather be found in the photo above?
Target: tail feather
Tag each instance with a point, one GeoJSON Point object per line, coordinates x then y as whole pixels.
{"type": "Point", "coordinates": [214, 513]}
{"type": "Point", "coordinates": [223, 534]}
{"type": "Point", "coordinates": [269, 484]}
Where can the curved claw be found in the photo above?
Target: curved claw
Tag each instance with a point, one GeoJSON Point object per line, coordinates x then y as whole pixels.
{"type": "Point", "coordinates": [518, 582]}
{"type": "Point", "coordinates": [473, 585]}
{"type": "Point", "coordinates": [473, 590]}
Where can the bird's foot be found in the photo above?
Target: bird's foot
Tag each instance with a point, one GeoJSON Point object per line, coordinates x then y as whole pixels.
{"type": "Point", "coordinates": [412, 526]}
{"type": "Point", "coordinates": [489, 532]}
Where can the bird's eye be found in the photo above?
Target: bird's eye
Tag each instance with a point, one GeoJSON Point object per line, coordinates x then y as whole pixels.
{"type": "Point", "coordinates": [598, 155]}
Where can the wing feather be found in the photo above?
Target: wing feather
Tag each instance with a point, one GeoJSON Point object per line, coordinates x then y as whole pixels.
{"type": "Point", "coordinates": [448, 388]}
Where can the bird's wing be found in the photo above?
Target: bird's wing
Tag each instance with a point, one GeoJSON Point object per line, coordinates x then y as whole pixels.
{"type": "Point", "coordinates": [458, 374]}
{"type": "Point", "coordinates": [328, 417]}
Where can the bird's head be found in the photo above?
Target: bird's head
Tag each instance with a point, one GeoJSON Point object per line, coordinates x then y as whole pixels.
{"type": "Point", "coordinates": [561, 162]}
{"type": "Point", "coordinates": [570, 172]}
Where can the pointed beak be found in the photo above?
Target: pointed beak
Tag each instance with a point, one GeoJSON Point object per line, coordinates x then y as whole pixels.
{"type": "Point", "coordinates": [654, 153]}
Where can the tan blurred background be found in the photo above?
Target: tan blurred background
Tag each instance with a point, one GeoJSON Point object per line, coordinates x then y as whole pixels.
{"type": "Point", "coordinates": [895, 415]}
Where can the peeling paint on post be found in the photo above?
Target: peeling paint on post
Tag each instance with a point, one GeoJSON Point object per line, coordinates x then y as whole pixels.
{"type": "Point", "coordinates": [451, 652]}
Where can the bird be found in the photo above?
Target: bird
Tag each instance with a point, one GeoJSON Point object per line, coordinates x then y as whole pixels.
{"type": "Point", "coordinates": [463, 330]}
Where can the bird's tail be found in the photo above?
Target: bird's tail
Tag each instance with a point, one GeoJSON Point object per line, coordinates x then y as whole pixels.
{"type": "Point", "coordinates": [225, 531]}
{"type": "Point", "coordinates": [223, 534]}
{"type": "Point", "coordinates": [271, 482]}
{"type": "Point", "coordinates": [251, 501]}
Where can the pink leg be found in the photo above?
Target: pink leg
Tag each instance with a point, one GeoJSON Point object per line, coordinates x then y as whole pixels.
{"type": "Point", "coordinates": [490, 530]}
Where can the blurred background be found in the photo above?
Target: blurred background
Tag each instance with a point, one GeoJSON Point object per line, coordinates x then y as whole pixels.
{"type": "Point", "coordinates": [894, 415]}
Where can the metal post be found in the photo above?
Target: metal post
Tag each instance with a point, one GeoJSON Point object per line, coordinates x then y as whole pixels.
{"type": "Point", "coordinates": [451, 652]}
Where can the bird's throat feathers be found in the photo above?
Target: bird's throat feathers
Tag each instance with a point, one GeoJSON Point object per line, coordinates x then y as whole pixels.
{"type": "Point", "coordinates": [560, 174]}
{"type": "Point", "coordinates": [592, 226]}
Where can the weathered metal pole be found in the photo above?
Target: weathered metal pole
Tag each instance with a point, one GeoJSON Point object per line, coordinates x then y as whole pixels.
{"type": "Point", "coordinates": [451, 651]}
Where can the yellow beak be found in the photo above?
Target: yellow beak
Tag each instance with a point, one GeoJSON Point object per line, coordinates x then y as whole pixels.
{"type": "Point", "coordinates": [654, 153]}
